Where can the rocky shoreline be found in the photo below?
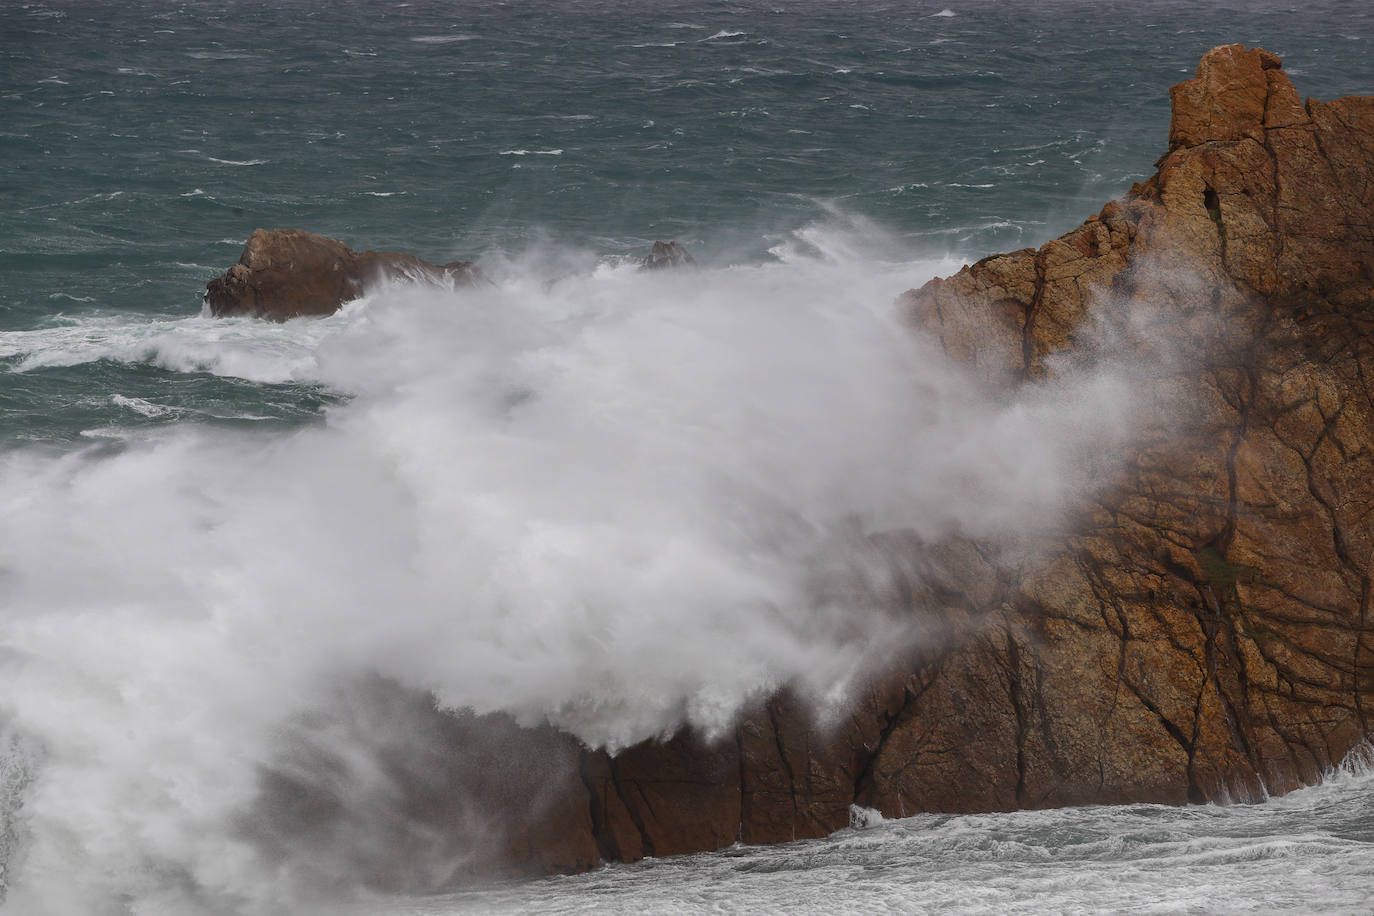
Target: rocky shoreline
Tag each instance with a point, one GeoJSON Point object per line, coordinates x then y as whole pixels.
{"type": "Point", "coordinates": [1204, 633]}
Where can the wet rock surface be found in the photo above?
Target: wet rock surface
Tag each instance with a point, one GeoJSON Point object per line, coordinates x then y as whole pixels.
{"type": "Point", "coordinates": [290, 273]}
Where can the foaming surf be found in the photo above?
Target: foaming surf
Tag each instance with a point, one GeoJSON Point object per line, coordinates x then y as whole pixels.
{"type": "Point", "coordinates": [238, 347]}
{"type": "Point", "coordinates": [595, 498]}
{"type": "Point", "coordinates": [1311, 851]}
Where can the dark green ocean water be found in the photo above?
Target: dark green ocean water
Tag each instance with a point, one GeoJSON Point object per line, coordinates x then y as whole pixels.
{"type": "Point", "coordinates": [142, 142]}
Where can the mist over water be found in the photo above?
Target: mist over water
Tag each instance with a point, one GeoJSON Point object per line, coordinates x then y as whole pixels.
{"type": "Point", "coordinates": [600, 501]}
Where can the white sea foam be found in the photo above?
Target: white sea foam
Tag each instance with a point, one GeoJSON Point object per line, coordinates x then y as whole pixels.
{"type": "Point", "coordinates": [531, 152]}
{"type": "Point", "coordinates": [240, 348]}
{"type": "Point", "coordinates": [238, 162]}
{"type": "Point", "coordinates": [143, 407]}
{"type": "Point", "coordinates": [597, 500]}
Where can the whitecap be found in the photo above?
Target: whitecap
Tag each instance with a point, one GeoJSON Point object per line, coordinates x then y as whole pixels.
{"type": "Point", "coordinates": [943, 14]}
{"type": "Point", "coordinates": [222, 55]}
{"type": "Point", "coordinates": [143, 407]}
{"type": "Point", "coordinates": [721, 34]}
{"type": "Point", "coordinates": [441, 39]}
{"type": "Point", "coordinates": [246, 348]}
{"type": "Point", "coordinates": [531, 152]}
{"type": "Point", "coordinates": [116, 433]}
{"type": "Point", "coordinates": [239, 161]}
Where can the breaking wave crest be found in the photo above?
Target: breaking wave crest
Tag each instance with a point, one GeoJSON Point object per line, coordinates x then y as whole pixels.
{"type": "Point", "coordinates": [599, 500]}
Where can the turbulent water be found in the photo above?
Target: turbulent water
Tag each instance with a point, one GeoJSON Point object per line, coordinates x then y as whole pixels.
{"type": "Point", "coordinates": [580, 494]}
{"type": "Point", "coordinates": [1308, 852]}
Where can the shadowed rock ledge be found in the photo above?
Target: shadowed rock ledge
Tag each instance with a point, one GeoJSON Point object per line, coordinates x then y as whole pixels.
{"type": "Point", "coordinates": [1205, 631]}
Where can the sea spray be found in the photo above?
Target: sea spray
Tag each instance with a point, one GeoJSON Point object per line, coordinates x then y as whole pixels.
{"type": "Point", "coordinates": [597, 501]}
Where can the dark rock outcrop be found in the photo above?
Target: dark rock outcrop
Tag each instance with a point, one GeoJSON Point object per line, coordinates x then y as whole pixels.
{"type": "Point", "coordinates": [289, 273]}
{"type": "Point", "coordinates": [1205, 632]}
{"type": "Point", "coordinates": [666, 254]}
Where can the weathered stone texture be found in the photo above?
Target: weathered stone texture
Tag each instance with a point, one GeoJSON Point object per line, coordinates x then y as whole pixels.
{"type": "Point", "coordinates": [289, 273]}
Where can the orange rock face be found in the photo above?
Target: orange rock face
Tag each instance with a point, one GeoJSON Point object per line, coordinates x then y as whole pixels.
{"type": "Point", "coordinates": [1205, 631]}
{"type": "Point", "coordinates": [288, 273]}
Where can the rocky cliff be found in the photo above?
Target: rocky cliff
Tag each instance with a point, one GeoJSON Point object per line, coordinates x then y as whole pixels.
{"type": "Point", "coordinates": [1204, 631]}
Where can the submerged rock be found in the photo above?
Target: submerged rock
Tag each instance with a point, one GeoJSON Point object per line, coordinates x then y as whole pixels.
{"type": "Point", "coordinates": [288, 273]}
{"type": "Point", "coordinates": [666, 254]}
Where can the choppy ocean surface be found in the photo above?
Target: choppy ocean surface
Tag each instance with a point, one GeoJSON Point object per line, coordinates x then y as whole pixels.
{"type": "Point", "coordinates": [579, 493]}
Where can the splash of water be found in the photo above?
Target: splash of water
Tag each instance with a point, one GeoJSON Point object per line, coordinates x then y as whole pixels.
{"type": "Point", "coordinates": [596, 501]}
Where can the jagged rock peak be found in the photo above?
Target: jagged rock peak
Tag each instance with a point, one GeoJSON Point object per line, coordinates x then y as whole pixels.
{"type": "Point", "coordinates": [1238, 92]}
